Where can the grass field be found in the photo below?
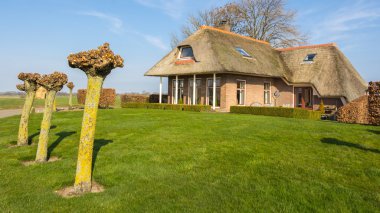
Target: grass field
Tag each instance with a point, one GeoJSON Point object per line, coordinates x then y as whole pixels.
{"type": "Point", "coordinates": [15, 102]}
{"type": "Point", "coordinates": [165, 161]}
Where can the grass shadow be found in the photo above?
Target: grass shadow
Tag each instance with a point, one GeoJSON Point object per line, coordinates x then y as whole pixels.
{"type": "Point", "coordinates": [335, 141]}
{"type": "Point", "coordinates": [30, 138]}
{"type": "Point", "coordinates": [98, 144]}
{"type": "Point", "coordinates": [61, 135]}
{"type": "Point", "coordinates": [374, 131]}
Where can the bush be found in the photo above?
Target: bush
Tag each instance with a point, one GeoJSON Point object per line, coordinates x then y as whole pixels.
{"type": "Point", "coordinates": [322, 107]}
{"type": "Point", "coordinates": [278, 111]}
{"type": "Point", "coordinates": [81, 96]}
{"type": "Point", "coordinates": [179, 107]}
{"type": "Point", "coordinates": [107, 97]}
{"type": "Point", "coordinates": [155, 98]}
{"type": "Point", "coordinates": [134, 98]}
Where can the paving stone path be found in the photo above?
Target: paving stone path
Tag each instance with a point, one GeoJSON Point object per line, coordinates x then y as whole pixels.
{"type": "Point", "coordinates": [9, 112]}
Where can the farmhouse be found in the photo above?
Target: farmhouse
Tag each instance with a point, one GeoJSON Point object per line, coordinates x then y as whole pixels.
{"type": "Point", "coordinates": [219, 68]}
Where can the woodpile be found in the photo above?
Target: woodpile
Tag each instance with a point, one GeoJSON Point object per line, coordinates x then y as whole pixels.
{"type": "Point", "coordinates": [364, 110]}
{"type": "Point", "coordinates": [107, 97]}
{"type": "Point", "coordinates": [354, 112]}
{"type": "Point", "coordinates": [374, 103]}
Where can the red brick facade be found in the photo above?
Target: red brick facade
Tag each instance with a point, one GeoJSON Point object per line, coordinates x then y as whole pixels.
{"type": "Point", "coordinates": [254, 91]}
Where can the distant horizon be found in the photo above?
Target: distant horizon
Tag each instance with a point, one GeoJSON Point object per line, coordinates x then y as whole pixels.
{"type": "Point", "coordinates": [40, 35]}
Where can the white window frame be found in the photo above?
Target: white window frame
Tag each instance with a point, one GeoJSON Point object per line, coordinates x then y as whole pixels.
{"type": "Point", "coordinates": [190, 90]}
{"type": "Point", "coordinates": [207, 93]}
{"type": "Point", "coordinates": [270, 92]}
{"type": "Point", "coordinates": [245, 91]}
{"type": "Point", "coordinates": [173, 89]}
{"type": "Point", "coordinates": [180, 53]}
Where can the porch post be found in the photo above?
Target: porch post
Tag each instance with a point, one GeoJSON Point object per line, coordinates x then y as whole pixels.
{"type": "Point", "coordinates": [194, 86]}
{"type": "Point", "coordinates": [214, 92]}
{"type": "Point", "coordinates": [160, 96]}
{"type": "Point", "coordinates": [176, 90]}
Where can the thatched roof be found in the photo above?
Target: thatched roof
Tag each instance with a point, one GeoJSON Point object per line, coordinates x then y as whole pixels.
{"type": "Point", "coordinates": [214, 51]}
{"type": "Point", "coordinates": [331, 72]}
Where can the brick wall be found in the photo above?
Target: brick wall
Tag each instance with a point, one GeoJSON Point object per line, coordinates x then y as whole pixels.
{"type": "Point", "coordinates": [254, 90]}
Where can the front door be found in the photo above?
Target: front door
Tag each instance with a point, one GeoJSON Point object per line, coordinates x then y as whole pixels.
{"type": "Point", "coordinates": [303, 97]}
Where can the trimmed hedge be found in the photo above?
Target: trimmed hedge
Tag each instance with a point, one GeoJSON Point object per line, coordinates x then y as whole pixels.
{"type": "Point", "coordinates": [107, 97]}
{"type": "Point", "coordinates": [278, 111]}
{"type": "Point", "coordinates": [134, 98]}
{"type": "Point", "coordinates": [180, 107]}
{"type": "Point", "coordinates": [155, 98]}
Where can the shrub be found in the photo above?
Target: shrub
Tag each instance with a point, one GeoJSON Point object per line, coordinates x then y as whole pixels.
{"type": "Point", "coordinates": [155, 98]}
{"type": "Point", "coordinates": [107, 97]}
{"type": "Point", "coordinates": [81, 96]}
{"type": "Point", "coordinates": [322, 107]}
{"type": "Point", "coordinates": [134, 98]}
{"type": "Point", "coordinates": [277, 111]}
{"type": "Point", "coordinates": [179, 107]}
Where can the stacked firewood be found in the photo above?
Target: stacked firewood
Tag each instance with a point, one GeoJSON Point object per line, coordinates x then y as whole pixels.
{"type": "Point", "coordinates": [374, 103]}
{"type": "Point", "coordinates": [355, 111]}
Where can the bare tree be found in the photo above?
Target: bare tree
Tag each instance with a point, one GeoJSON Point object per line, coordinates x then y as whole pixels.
{"type": "Point", "coordinates": [266, 20]}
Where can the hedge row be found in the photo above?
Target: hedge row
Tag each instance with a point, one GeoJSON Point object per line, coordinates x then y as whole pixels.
{"type": "Point", "coordinates": [180, 107]}
{"type": "Point", "coordinates": [155, 98]}
{"type": "Point", "coordinates": [278, 111]}
{"type": "Point", "coordinates": [107, 97]}
{"type": "Point", "coordinates": [134, 98]}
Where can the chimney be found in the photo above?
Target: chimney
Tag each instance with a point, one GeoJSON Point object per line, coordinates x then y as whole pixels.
{"type": "Point", "coordinates": [224, 25]}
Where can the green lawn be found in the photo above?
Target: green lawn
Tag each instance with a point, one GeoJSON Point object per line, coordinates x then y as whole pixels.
{"type": "Point", "coordinates": [15, 102]}
{"type": "Point", "coordinates": [165, 161]}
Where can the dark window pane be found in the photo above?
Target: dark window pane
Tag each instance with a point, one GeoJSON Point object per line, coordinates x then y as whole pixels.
{"type": "Point", "coordinates": [187, 52]}
{"type": "Point", "coordinates": [310, 57]}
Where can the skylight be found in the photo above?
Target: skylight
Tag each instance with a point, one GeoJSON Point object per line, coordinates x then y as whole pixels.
{"type": "Point", "coordinates": [243, 52]}
{"type": "Point", "coordinates": [187, 53]}
{"type": "Point", "coordinates": [310, 57]}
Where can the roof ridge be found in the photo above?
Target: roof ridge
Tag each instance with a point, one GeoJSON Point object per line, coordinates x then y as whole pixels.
{"type": "Point", "coordinates": [204, 27]}
{"type": "Point", "coordinates": [307, 47]}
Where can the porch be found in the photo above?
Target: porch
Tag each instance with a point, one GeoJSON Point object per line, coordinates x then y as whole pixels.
{"type": "Point", "coordinates": [224, 90]}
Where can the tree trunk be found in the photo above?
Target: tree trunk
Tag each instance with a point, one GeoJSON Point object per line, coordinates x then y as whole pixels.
{"type": "Point", "coordinates": [45, 127]}
{"type": "Point", "coordinates": [86, 144]}
{"type": "Point", "coordinates": [70, 99]}
{"type": "Point", "coordinates": [23, 127]}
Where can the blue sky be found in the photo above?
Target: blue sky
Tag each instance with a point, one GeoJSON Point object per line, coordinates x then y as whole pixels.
{"type": "Point", "coordinates": [38, 35]}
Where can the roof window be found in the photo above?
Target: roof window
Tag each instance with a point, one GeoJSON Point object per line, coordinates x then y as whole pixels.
{"type": "Point", "coordinates": [310, 57]}
{"type": "Point", "coordinates": [186, 53]}
{"type": "Point", "coordinates": [243, 52]}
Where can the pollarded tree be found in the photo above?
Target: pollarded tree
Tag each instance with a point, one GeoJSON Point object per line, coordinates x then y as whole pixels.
{"type": "Point", "coordinates": [30, 86]}
{"type": "Point", "coordinates": [71, 86]}
{"type": "Point", "coordinates": [96, 64]}
{"type": "Point", "coordinates": [52, 83]}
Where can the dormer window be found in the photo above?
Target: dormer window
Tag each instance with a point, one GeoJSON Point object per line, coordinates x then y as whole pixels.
{"type": "Point", "coordinates": [186, 53]}
{"type": "Point", "coordinates": [309, 57]}
{"type": "Point", "coordinates": [243, 52]}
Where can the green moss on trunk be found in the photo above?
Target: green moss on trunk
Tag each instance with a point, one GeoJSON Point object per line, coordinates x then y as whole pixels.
{"type": "Point", "coordinates": [23, 127]}
{"type": "Point", "coordinates": [86, 144]}
{"type": "Point", "coordinates": [41, 155]}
